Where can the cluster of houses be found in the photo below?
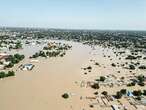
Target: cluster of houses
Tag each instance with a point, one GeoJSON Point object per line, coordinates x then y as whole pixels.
{"type": "Point", "coordinates": [3, 63]}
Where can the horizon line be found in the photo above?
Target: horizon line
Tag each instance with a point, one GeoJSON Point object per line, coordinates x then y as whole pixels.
{"type": "Point", "coordinates": [83, 29]}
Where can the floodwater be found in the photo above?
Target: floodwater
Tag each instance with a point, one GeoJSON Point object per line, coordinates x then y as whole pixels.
{"type": "Point", "coordinates": [41, 88]}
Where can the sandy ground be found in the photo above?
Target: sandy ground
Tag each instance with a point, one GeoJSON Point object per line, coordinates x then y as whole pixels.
{"type": "Point", "coordinates": [41, 88]}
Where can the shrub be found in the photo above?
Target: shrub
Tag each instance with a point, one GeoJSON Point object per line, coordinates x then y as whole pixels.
{"type": "Point", "coordinates": [96, 93]}
{"type": "Point", "coordinates": [10, 65]}
{"type": "Point", "coordinates": [18, 45]}
{"type": "Point", "coordinates": [102, 78]}
{"type": "Point", "coordinates": [10, 73]}
{"type": "Point", "coordinates": [19, 57]}
{"type": "Point", "coordinates": [137, 93]}
{"type": "Point", "coordinates": [105, 93]}
{"type": "Point", "coordinates": [45, 48]}
{"type": "Point", "coordinates": [65, 96]}
{"type": "Point", "coordinates": [140, 78]}
{"type": "Point", "coordinates": [118, 95]}
{"type": "Point", "coordinates": [144, 92]}
{"type": "Point", "coordinates": [141, 84]}
{"type": "Point", "coordinates": [142, 67]}
{"type": "Point", "coordinates": [89, 67]}
{"type": "Point", "coordinates": [96, 63]}
{"type": "Point", "coordinates": [130, 57]}
{"type": "Point", "coordinates": [123, 91]}
{"type": "Point", "coordinates": [132, 67]}
{"type": "Point", "coordinates": [91, 106]}
{"type": "Point", "coordinates": [138, 98]}
{"type": "Point", "coordinates": [95, 86]}
{"type": "Point", "coordinates": [114, 65]}
{"type": "Point", "coordinates": [2, 74]}
{"type": "Point", "coordinates": [131, 84]}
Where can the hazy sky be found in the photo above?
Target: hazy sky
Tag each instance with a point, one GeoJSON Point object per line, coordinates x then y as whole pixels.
{"type": "Point", "coordinates": [74, 14]}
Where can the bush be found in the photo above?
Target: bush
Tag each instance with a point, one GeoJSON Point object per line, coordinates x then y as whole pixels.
{"type": "Point", "coordinates": [137, 93]}
{"type": "Point", "coordinates": [144, 92]}
{"type": "Point", "coordinates": [123, 91]}
{"type": "Point", "coordinates": [65, 96]}
{"type": "Point", "coordinates": [130, 57]}
{"type": "Point", "coordinates": [10, 65]}
{"type": "Point", "coordinates": [105, 93]}
{"type": "Point", "coordinates": [89, 67]}
{"type": "Point", "coordinates": [96, 63]}
{"type": "Point", "coordinates": [10, 73]}
{"type": "Point", "coordinates": [138, 98]}
{"type": "Point", "coordinates": [95, 86]}
{"type": "Point", "coordinates": [141, 78]}
{"type": "Point", "coordinates": [142, 67]}
{"type": "Point", "coordinates": [19, 57]}
{"type": "Point", "coordinates": [91, 106]}
{"type": "Point", "coordinates": [2, 74]}
{"type": "Point", "coordinates": [18, 45]}
{"type": "Point", "coordinates": [95, 93]}
{"type": "Point", "coordinates": [118, 95]}
{"type": "Point", "coordinates": [114, 65]}
{"type": "Point", "coordinates": [141, 84]}
{"type": "Point", "coordinates": [131, 84]}
{"type": "Point", "coordinates": [102, 78]}
{"type": "Point", "coordinates": [45, 48]}
{"type": "Point", "coordinates": [132, 67]}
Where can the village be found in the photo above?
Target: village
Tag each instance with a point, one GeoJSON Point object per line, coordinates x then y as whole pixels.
{"type": "Point", "coordinates": [98, 74]}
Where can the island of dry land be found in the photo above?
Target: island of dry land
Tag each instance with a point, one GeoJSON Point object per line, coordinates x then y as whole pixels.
{"type": "Point", "coordinates": [44, 69]}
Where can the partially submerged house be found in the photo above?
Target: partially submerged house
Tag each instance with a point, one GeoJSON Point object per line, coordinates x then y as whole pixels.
{"type": "Point", "coordinates": [129, 94]}
{"type": "Point", "coordinates": [27, 67]}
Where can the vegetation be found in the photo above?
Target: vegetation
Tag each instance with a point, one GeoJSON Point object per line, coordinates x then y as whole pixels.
{"type": "Point", "coordinates": [131, 84]}
{"type": "Point", "coordinates": [141, 78]}
{"type": "Point", "coordinates": [105, 93]}
{"type": "Point", "coordinates": [142, 67]}
{"type": "Point", "coordinates": [96, 93]}
{"type": "Point", "coordinates": [96, 63]}
{"type": "Point", "coordinates": [4, 74]}
{"type": "Point", "coordinates": [130, 57]}
{"type": "Point", "coordinates": [14, 59]}
{"type": "Point", "coordinates": [144, 92]}
{"type": "Point", "coordinates": [132, 67]}
{"type": "Point", "coordinates": [102, 78]}
{"type": "Point", "coordinates": [18, 45]}
{"type": "Point", "coordinates": [137, 93]}
{"type": "Point", "coordinates": [95, 86]}
{"type": "Point", "coordinates": [52, 50]}
{"type": "Point", "coordinates": [65, 96]}
{"type": "Point", "coordinates": [123, 91]}
{"type": "Point", "coordinates": [118, 95]}
{"type": "Point", "coordinates": [114, 65]}
{"type": "Point", "coordinates": [89, 67]}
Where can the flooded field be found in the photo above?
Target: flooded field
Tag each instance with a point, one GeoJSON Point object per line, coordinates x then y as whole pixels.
{"type": "Point", "coordinates": [42, 87]}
